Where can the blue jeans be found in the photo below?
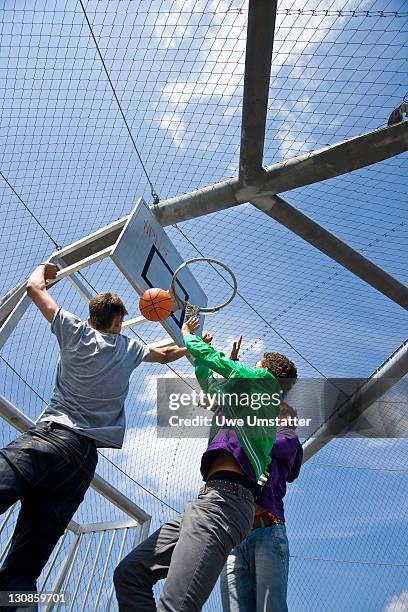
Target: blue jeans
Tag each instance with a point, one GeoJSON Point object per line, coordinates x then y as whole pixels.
{"type": "Point", "coordinates": [49, 469]}
{"type": "Point", "coordinates": [255, 576]}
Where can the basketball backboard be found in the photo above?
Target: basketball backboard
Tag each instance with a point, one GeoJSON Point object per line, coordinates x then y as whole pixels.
{"type": "Point", "coordinates": [148, 258]}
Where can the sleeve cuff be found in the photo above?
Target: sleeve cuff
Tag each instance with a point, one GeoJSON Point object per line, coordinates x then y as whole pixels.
{"type": "Point", "coordinates": [57, 314]}
{"type": "Point", "coordinates": [146, 352]}
{"type": "Point", "coordinates": [188, 337]}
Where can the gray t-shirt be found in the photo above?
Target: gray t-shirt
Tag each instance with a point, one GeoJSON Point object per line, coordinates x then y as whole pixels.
{"type": "Point", "coordinates": [92, 379]}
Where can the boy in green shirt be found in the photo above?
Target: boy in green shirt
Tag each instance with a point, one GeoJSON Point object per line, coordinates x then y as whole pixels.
{"type": "Point", "coordinates": [191, 549]}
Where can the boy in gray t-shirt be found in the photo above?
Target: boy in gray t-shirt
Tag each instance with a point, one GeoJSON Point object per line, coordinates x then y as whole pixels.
{"type": "Point", "coordinates": [50, 467]}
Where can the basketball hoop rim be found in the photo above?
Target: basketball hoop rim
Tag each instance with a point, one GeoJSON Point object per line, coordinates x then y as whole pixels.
{"type": "Point", "coordinates": [207, 309]}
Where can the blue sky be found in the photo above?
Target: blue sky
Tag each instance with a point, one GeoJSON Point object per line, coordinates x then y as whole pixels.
{"type": "Point", "coordinates": [178, 71]}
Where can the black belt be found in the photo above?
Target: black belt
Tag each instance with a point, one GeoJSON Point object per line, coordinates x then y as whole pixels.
{"type": "Point", "coordinates": [225, 486]}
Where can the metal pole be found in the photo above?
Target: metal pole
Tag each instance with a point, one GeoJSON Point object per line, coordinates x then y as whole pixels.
{"type": "Point", "coordinates": [105, 569]}
{"type": "Point", "coordinates": [118, 499]}
{"type": "Point", "coordinates": [52, 563]}
{"type": "Point", "coordinates": [11, 321]}
{"type": "Point", "coordinates": [142, 532]}
{"type": "Point", "coordinates": [74, 595]}
{"type": "Point", "coordinates": [6, 518]}
{"type": "Point", "coordinates": [10, 301]}
{"type": "Point", "coordinates": [389, 373]}
{"type": "Point", "coordinates": [336, 159]}
{"type": "Point", "coordinates": [323, 164]}
{"type": "Point", "coordinates": [389, 142]}
{"type": "Point", "coordinates": [122, 545]}
{"type": "Point", "coordinates": [259, 45]}
{"type": "Point", "coordinates": [65, 570]}
{"type": "Point", "coordinates": [92, 573]}
{"type": "Point", "coordinates": [333, 247]}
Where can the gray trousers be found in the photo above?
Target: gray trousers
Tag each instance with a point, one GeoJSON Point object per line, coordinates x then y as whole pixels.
{"type": "Point", "coordinates": [190, 550]}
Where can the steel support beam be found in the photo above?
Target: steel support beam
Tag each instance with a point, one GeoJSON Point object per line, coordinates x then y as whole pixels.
{"type": "Point", "coordinates": [12, 320]}
{"type": "Point", "coordinates": [259, 45]}
{"type": "Point", "coordinates": [134, 322]}
{"type": "Point", "coordinates": [389, 142]}
{"type": "Point", "coordinates": [195, 204]}
{"type": "Point", "coordinates": [64, 570]}
{"type": "Point", "coordinates": [82, 263]}
{"type": "Point", "coordinates": [385, 143]}
{"type": "Point", "coordinates": [335, 160]}
{"type": "Point", "coordinates": [91, 244]}
{"type": "Point", "coordinates": [389, 373]}
{"type": "Point", "coordinates": [381, 144]}
{"type": "Point", "coordinates": [9, 302]}
{"type": "Point", "coordinates": [333, 247]}
{"type": "Point", "coordinates": [326, 163]}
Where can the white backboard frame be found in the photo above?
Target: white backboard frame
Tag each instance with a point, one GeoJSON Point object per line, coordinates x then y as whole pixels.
{"type": "Point", "coordinates": [148, 258]}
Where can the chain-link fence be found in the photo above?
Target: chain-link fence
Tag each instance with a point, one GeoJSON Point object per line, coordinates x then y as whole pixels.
{"type": "Point", "coordinates": [105, 101]}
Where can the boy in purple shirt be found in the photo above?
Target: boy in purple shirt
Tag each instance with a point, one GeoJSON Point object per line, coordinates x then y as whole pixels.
{"type": "Point", "coordinates": [255, 576]}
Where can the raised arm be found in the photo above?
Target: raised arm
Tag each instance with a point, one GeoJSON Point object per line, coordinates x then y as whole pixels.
{"type": "Point", "coordinates": [284, 447]}
{"type": "Point", "coordinates": [203, 353]}
{"type": "Point", "coordinates": [37, 290]}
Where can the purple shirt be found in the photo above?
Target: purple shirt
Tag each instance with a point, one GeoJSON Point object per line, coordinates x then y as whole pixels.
{"type": "Point", "coordinates": [226, 440]}
{"type": "Point", "coordinates": [286, 453]}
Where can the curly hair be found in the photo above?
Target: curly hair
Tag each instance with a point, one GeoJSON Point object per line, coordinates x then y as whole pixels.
{"type": "Point", "coordinates": [282, 368]}
{"type": "Point", "coordinates": [103, 308]}
{"type": "Point", "coordinates": [279, 365]}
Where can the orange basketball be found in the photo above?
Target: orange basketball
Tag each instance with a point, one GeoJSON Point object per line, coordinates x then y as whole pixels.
{"type": "Point", "coordinates": [156, 304]}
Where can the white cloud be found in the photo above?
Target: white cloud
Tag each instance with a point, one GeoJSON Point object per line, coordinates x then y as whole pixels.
{"type": "Point", "coordinates": [173, 25]}
{"type": "Point", "coordinates": [220, 68]}
{"type": "Point", "coordinates": [150, 459]}
{"type": "Point", "coordinates": [174, 122]}
{"type": "Point", "coordinates": [399, 603]}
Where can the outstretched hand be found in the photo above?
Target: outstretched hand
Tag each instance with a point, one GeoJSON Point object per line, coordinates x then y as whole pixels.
{"type": "Point", "coordinates": [236, 345]}
{"type": "Point", "coordinates": [207, 337]}
{"type": "Point", "coordinates": [190, 326]}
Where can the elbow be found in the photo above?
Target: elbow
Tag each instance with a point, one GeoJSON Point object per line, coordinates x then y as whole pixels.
{"type": "Point", "coordinates": [30, 289]}
{"type": "Point", "coordinates": [164, 357]}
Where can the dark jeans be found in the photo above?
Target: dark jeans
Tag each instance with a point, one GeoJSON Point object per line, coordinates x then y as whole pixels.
{"type": "Point", "coordinates": [49, 468]}
{"type": "Point", "coordinates": [190, 551]}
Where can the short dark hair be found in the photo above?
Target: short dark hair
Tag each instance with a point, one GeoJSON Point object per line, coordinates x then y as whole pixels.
{"type": "Point", "coordinates": [284, 369]}
{"type": "Point", "coordinates": [103, 308]}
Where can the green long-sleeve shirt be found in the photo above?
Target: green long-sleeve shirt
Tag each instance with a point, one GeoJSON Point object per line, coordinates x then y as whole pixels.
{"type": "Point", "coordinates": [245, 384]}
